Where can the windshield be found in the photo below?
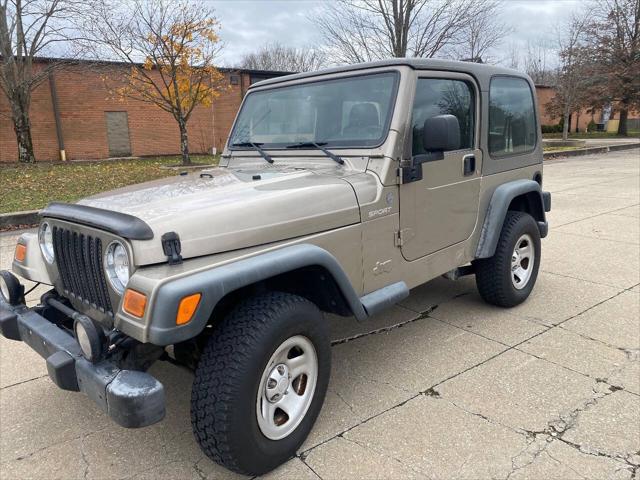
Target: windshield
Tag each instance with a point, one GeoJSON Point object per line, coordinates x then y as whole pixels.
{"type": "Point", "coordinates": [346, 112]}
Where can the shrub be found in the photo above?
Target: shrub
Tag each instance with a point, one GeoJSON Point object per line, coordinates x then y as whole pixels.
{"type": "Point", "coordinates": [551, 128]}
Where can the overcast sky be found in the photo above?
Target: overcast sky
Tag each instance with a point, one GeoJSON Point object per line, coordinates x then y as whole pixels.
{"type": "Point", "coordinates": [249, 24]}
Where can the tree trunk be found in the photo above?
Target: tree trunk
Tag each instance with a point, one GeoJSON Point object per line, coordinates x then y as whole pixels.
{"type": "Point", "coordinates": [622, 126]}
{"type": "Point", "coordinates": [22, 127]}
{"type": "Point", "coordinates": [565, 124]}
{"type": "Point", "coordinates": [578, 122]}
{"type": "Point", "coordinates": [184, 142]}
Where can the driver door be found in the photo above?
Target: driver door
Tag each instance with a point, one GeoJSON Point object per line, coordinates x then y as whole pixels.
{"type": "Point", "coordinates": [441, 209]}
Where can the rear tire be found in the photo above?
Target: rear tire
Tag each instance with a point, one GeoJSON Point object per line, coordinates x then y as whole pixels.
{"type": "Point", "coordinates": [271, 351]}
{"type": "Point", "coordinates": [507, 278]}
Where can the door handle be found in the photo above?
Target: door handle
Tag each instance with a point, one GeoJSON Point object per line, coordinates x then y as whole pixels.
{"type": "Point", "coordinates": [468, 165]}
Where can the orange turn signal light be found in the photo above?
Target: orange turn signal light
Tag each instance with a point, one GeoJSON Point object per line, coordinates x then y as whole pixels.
{"type": "Point", "coordinates": [21, 252]}
{"type": "Point", "coordinates": [187, 308]}
{"type": "Point", "coordinates": [134, 303]}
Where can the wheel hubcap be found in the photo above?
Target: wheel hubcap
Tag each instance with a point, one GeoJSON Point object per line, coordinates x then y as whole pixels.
{"type": "Point", "coordinates": [522, 261]}
{"type": "Point", "coordinates": [278, 383]}
{"type": "Point", "coordinates": [287, 387]}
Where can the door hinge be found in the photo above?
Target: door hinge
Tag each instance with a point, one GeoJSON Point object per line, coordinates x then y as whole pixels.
{"type": "Point", "coordinates": [402, 236]}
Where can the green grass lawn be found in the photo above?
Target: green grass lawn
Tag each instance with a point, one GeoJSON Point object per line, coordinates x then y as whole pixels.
{"type": "Point", "coordinates": [31, 187]}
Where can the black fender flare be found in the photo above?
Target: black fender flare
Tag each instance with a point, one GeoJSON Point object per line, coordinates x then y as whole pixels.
{"type": "Point", "coordinates": [497, 211]}
{"type": "Point", "coordinates": [219, 281]}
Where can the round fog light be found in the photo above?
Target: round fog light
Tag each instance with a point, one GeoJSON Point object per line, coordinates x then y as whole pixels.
{"type": "Point", "coordinates": [90, 338]}
{"type": "Point", "coordinates": [11, 290]}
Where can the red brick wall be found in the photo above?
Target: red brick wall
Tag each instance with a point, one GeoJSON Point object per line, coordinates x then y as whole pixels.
{"type": "Point", "coordinates": [545, 95]}
{"type": "Point", "coordinates": [83, 99]}
{"type": "Point", "coordinates": [43, 128]}
{"type": "Point", "coordinates": [578, 119]}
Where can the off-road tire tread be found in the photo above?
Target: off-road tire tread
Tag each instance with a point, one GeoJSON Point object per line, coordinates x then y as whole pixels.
{"type": "Point", "coordinates": [227, 351]}
{"type": "Point", "coordinates": [492, 285]}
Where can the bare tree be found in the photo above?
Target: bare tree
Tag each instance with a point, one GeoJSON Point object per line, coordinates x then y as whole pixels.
{"type": "Point", "coordinates": [537, 62]}
{"type": "Point", "coordinates": [170, 48]}
{"type": "Point", "coordinates": [512, 57]}
{"type": "Point", "coordinates": [28, 29]}
{"type": "Point", "coordinates": [278, 57]}
{"type": "Point", "coordinates": [482, 34]}
{"type": "Point", "coordinates": [614, 36]}
{"type": "Point", "coordinates": [571, 80]}
{"type": "Point", "coordinates": [365, 30]}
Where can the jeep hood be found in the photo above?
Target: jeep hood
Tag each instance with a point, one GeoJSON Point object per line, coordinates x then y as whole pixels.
{"type": "Point", "coordinates": [225, 209]}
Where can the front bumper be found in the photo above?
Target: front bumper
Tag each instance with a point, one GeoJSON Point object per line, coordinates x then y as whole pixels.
{"type": "Point", "coordinates": [131, 398]}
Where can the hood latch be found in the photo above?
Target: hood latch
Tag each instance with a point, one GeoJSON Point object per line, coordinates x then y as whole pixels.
{"type": "Point", "coordinates": [172, 248]}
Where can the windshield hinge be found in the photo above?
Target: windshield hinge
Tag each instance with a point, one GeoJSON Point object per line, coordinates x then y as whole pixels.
{"type": "Point", "coordinates": [402, 236]}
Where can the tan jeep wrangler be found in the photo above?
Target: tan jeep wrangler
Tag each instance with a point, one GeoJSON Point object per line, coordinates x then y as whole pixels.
{"type": "Point", "coordinates": [338, 191]}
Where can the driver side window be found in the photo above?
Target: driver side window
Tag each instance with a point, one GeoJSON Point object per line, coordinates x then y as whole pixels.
{"type": "Point", "coordinates": [439, 96]}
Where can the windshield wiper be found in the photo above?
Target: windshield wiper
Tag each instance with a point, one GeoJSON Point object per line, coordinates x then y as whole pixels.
{"type": "Point", "coordinates": [256, 147]}
{"type": "Point", "coordinates": [319, 146]}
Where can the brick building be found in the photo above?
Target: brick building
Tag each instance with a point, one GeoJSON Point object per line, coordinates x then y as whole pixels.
{"type": "Point", "coordinates": [75, 110]}
{"type": "Point", "coordinates": [578, 121]}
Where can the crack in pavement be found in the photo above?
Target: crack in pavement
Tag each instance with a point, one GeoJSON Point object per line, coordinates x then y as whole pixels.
{"type": "Point", "coordinates": [198, 470]}
{"type": "Point", "coordinates": [83, 455]}
{"type": "Point", "coordinates": [595, 215]}
{"type": "Point", "coordinates": [345, 402]}
{"type": "Point", "coordinates": [384, 454]}
{"type": "Point", "coordinates": [304, 462]}
{"type": "Point", "coordinates": [581, 279]}
{"type": "Point", "coordinates": [24, 381]}
{"type": "Point", "coordinates": [386, 384]}
{"type": "Point", "coordinates": [362, 422]}
{"type": "Point", "coordinates": [431, 391]}
{"type": "Point", "coordinates": [593, 237]}
{"type": "Point", "coordinates": [557, 428]}
{"type": "Point", "coordinates": [565, 464]}
{"type": "Point", "coordinates": [586, 375]}
{"type": "Point", "coordinates": [633, 354]}
{"type": "Point", "coordinates": [421, 316]}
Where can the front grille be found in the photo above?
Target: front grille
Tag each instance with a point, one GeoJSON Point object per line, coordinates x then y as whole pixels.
{"type": "Point", "coordinates": [79, 260]}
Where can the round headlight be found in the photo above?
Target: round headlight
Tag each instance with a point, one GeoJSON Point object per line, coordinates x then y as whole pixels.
{"type": "Point", "coordinates": [45, 236]}
{"type": "Point", "coordinates": [116, 264]}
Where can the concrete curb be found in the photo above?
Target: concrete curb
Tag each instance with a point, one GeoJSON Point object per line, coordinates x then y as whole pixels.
{"type": "Point", "coordinates": [590, 150]}
{"type": "Point", "coordinates": [29, 217]}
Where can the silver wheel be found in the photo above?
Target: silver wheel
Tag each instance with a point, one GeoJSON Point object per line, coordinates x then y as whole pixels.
{"type": "Point", "coordinates": [522, 261]}
{"type": "Point", "coordinates": [287, 387]}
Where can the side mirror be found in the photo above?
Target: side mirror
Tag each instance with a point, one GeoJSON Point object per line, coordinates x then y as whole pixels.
{"type": "Point", "coordinates": [441, 133]}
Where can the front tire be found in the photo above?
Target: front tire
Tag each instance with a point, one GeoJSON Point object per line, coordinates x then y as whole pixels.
{"type": "Point", "coordinates": [507, 278]}
{"type": "Point", "coordinates": [261, 382]}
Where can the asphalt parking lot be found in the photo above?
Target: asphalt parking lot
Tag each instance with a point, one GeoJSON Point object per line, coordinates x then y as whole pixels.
{"type": "Point", "coordinates": [441, 386]}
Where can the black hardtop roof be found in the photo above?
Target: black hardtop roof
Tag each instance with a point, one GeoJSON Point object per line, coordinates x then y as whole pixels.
{"type": "Point", "coordinates": [481, 71]}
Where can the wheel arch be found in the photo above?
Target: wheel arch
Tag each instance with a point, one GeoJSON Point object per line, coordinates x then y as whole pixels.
{"type": "Point", "coordinates": [518, 195]}
{"type": "Point", "coordinates": [306, 270]}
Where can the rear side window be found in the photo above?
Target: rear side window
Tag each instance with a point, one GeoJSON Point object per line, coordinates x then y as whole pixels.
{"type": "Point", "coordinates": [439, 96]}
{"type": "Point", "coordinates": [512, 119]}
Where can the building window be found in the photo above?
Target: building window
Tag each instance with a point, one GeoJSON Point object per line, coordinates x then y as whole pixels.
{"type": "Point", "coordinates": [258, 78]}
{"type": "Point", "coordinates": [234, 79]}
{"type": "Point", "coordinates": [438, 96]}
{"type": "Point", "coordinates": [512, 118]}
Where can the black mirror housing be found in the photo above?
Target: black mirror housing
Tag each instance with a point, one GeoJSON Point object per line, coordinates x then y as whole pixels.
{"type": "Point", "coordinates": [441, 133]}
